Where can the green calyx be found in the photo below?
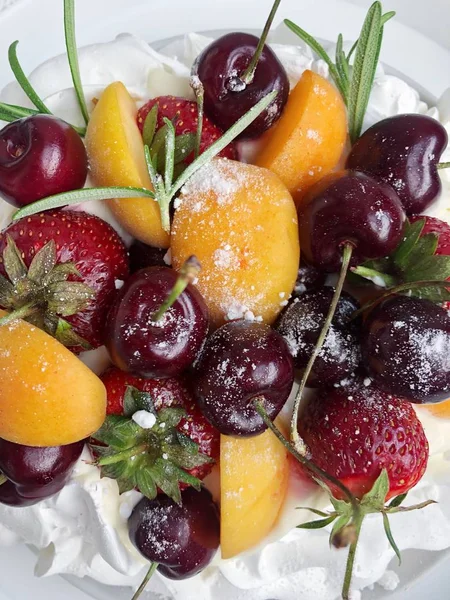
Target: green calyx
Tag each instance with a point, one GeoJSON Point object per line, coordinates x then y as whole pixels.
{"type": "Point", "coordinates": [347, 525]}
{"type": "Point", "coordinates": [41, 294]}
{"type": "Point", "coordinates": [157, 457]}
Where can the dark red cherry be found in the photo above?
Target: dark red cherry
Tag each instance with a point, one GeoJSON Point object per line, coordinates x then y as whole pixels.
{"type": "Point", "coordinates": [308, 278]}
{"type": "Point", "coordinates": [403, 151]}
{"type": "Point", "coordinates": [240, 362]}
{"type": "Point", "coordinates": [40, 156]}
{"type": "Point", "coordinates": [35, 473]}
{"type": "Point", "coordinates": [227, 97]}
{"type": "Point", "coordinates": [143, 256]}
{"type": "Point", "coordinates": [301, 323]}
{"type": "Point", "coordinates": [353, 208]}
{"type": "Point", "coordinates": [181, 539]}
{"type": "Point", "coordinates": [164, 348]}
{"type": "Point", "coordinates": [406, 348]}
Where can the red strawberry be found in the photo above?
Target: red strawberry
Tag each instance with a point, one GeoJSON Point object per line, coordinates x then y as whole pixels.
{"type": "Point", "coordinates": [79, 241]}
{"type": "Point", "coordinates": [184, 114]}
{"type": "Point", "coordinates": [356, 431]}
{"type": "Point", "coordinates": [166, 393]}
{"type": "Point", "coordinates": [440, 228]}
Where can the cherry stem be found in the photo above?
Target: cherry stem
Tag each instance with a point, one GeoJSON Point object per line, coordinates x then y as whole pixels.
{"type": "Point", "coordinates": [141, 588]}
{"type": "Point", "coordinates": [189, 271]}
{"type": "Point", "coordinates": [444, 165]}
{"type": "Point", "coordinates": [3, 479]}
{"type": "Point", "coordinates": [295, 437]}
{"type": "Point", "coordinates": [403, 287]}
{"type": "Point", "coordinates": [21, 313]}
{"type": "Point", "coordinates": [249, 73]}
{"type": "Point", "coordinates": [199, 91]}
{"type": "Point", "coordinates": [123, 455]}
{"type": "Point", "coordinates": [357, 522]}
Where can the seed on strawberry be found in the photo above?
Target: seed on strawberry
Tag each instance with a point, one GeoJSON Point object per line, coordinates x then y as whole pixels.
{"type": "Point", "coordinates": [59, 270]}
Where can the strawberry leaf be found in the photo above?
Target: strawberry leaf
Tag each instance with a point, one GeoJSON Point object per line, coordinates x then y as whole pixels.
{"type": "Point", "coordinates": [135, 400]}
{"type": "Point", "coordinates": [319, 513]}
{"type": "Point", "coordinates": [398, 500]}
{"type": "Point", "coordinates": [43, 263]}
{"type": "Point", "coordinates": [13, 262]}
{"type": "Point", "coordinates": [149, 129]}
{"type": "Point", "coordinates": [430, 268]}
{"type": "Point", "coordinates": [411, 235]}
{"type": "Point", "coordinates": [318, 524]}
{"type": "Point", "coordinates": [425, 246]}
{"type": "Point", "coordinates": [66, 335]}
{"type": "Point", "coordinates": [338, 526]}
{"type": "Point", "coordinates": [439, 295]}
{"type": "Point", "coordinates": [387, 529]}
{"type": "Point", "coordinates": [376, 497]}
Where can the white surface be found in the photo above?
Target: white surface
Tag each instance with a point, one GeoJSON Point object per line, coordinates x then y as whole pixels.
{"type": "Point", "coordinates": [104, 26]}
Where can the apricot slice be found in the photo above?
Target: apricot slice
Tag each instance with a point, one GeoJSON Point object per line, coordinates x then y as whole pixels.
{"type": "Point", "coordinates": [116, 156]}
{"type": "Point", "coordinates": [48, 397]}
{"type": "Point", "coordinates": [254, 474]}
{"type": "Point", "coordinates": [441, 409]}
{"type": "Point", "coordinates": [308, 140]}
{"type": "Point", "coordinates": [241, 223]}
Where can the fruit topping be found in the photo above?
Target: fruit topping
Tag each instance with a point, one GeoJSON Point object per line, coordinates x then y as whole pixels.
{"type": "Point", "coordinates": [59, 270]}
{"type": "Point", "coordinates": [253, 484]}
{"type": "Point", "coordinates": [142, 256]}
{"type": "Point", "coordinates": [308, 278]}
{"type": "Point", "coordinates": [301, 323]}
{"type": "Point", "coordinates": [35, 473]}
{"type": "Point", "coordinates": [236, 71]}
{"type": "Point", "coordinates": [307, 142]}
{"type": "Point", "coordinates": [406, 348]}
{"type": "Point", "coordinates": [158, 322]}
{"type": "Point", "coordinates": [404, 152]}
{"type": "Point", "coordinates": [48, 397]}
{"type": "Point", "coordinates": [40, 156]}
{"type": "Point", "coordinates": [180, 540]}
{"type": "Point", "coordinates": [240, 222]}
{"type": "Point", "coordinates": [242, 361]}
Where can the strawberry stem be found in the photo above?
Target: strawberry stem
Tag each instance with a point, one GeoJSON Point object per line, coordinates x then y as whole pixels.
{"type": "Point", "coordinates": [189, 271]}
{"type": "Point", "coordinates": [141, 588]}
{"type": "Point", "coordinates": [357, 522]}
{"type": "Point", "coordinates": [444, 165]}
{"type": "Point", "coordinates": [249, 73]}
{"type": "Point", "coordinates": [123, 455]}
{"type": "Point", "coordinates": [21, 313]}
{"type": "Point", "coordinates": [3, 479]}
{"type": "Point", "coordinates": [295, 437]}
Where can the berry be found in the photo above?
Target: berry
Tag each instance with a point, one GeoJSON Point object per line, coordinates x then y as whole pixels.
{"type": "Point", "coordinates": [439, 228]}
{"type": "Point", "coordinates": [184, 114]}
{"type": "Point", "coordinates": [300, 325]}
{"type": "Point", "coordinates": [240, 362]}
{"type": "Point", "coordinates": [308, 278]}
{"type": "Point", "coordinates": [40, 156]}
{"type": "Point", "coordinates": [349, 207]}
{"type": "Point", "coordinates": [355, 431]}
{"type": "Point", "coordinates": [182, 539]}
{"type": "Point", "coordinates": [403, 151]}
{"type": "Point", "coordinates": [406, 345]}
{"type": "Point", "coordinates": [138, 343]}
{"type": "Point", "coordinates": [86, 250]}
{"type": "Point", "coordinates": [227, 97]}
{"type": "Point", "coordinates": [142, 256]}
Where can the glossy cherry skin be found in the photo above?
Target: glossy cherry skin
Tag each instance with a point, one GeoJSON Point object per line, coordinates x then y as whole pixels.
{"type": "Point", "coordinates": [40, 156]}
{"type": "Point", "coordinates": [349, 207]}
{"type": "Point", "coordinates": [308, 278]}
{"type": "Point", "coordinates": [301, 324]}
{"type": "Point", "coordinates": [403, 151]}
{"type": "Point", "coordinates": [143, 256]}
{"type": "Point", "coordinates": [406, 349]}
{"type": "Point", "coordinates": [242, 361]}
{"type": "Point", "coordinates": [181, 539]}
{"type": "Point", "coordinates": [35, 473]}
{"type": "Point", "coordinates": [227, 97]}
{"type": "Point", "coordinates": [151, 349]}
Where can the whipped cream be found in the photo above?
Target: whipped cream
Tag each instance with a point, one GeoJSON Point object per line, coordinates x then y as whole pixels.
{"type": "Point", "coordinates": [83, 530]}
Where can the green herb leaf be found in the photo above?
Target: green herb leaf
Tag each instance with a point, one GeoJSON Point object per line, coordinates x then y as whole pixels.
{"type": "Point", "coordinates": [199, 91]}
{"type": "Point", "coordinates": [319, 524]}
{"type": "Point", "coordinates": [23, 81]}
{"type": "Point", "coordinates": [342, 66]}
{"type": "Point", "coordinates": [184, 145]}
{"type": "Point", "coordinates": [72, 56]}
{"type": "Point", "coordinates": [170, 151]}
{"type": "Point", "coordinates": [364, 69]}
{"type": "Point", "coordinates": [11, 112]}
{"type": "Point", "coordinates": [149, 129]}
{"type": "Point", "coordinates": [390, 537]}
{"type": "Point", "coordinates": [80, 196]}
{"type": "Point", "coordinates": [319, 513]}
{"type": "Point", "coordinates": [387, 17]}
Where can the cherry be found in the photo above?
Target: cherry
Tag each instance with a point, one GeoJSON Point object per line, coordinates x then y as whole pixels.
{"type": "Point", "coordinates": [406, 348]}
{"type": "Point", "coordinates": [308, 278]}
{"type": "Point", "coordinates": [301, 323]}
{"type": "Point", "coordinates": [142, 256]}
{"type": "Point", "coordinates": [40, 156]}
{"type": "Point", "coordinates": [240, 362]}
{"type": "Point", "coordinates": [237, 71]}
{"type": "Point", "coordinates": [145, 342]}
{"type": "Point", "coordinates": [403, 151]}
{"type": "Point", "coordinates": [351, 208]}
{"type": "Point", "coordinates": [182, 539]}
{"type": "Point", "coordinates": [35, 473]}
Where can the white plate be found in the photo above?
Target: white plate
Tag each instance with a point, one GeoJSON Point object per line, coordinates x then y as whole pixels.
{"type": "Point", "coordinates": [38, 26]}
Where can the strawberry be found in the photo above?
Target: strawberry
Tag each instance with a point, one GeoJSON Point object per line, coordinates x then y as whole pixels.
{"type": "Point", "coordinates": [440, 228]}
{"type": "Point", "coordinates": [59, 271]}
{"type": "Point", "coordinates": [127, 394]}
{"type": "Point", "coordinates": [184, 114]}
{"type": "Point", "coordinates": [355, 431]}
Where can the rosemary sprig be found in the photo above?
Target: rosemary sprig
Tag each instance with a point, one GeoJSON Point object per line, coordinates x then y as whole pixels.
{"type": "Point", "coordinates": [72, 56]}
{"type": "Point", "coordinates": [23, 81]}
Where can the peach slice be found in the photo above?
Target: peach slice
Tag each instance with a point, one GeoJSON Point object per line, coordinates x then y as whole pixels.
{"type": "Point", "coordinates": [254, 474]}
{"type": "Point", "coordinates": [116, 156]}
{"type": "Point", "coordinates": [441, 409]}
{"type": "Point", "coordinates": [48, 397]}
{"type": "Point", "coordinates": [241, 223]}
{"type": "Point", "coordinates": [308, 140]}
